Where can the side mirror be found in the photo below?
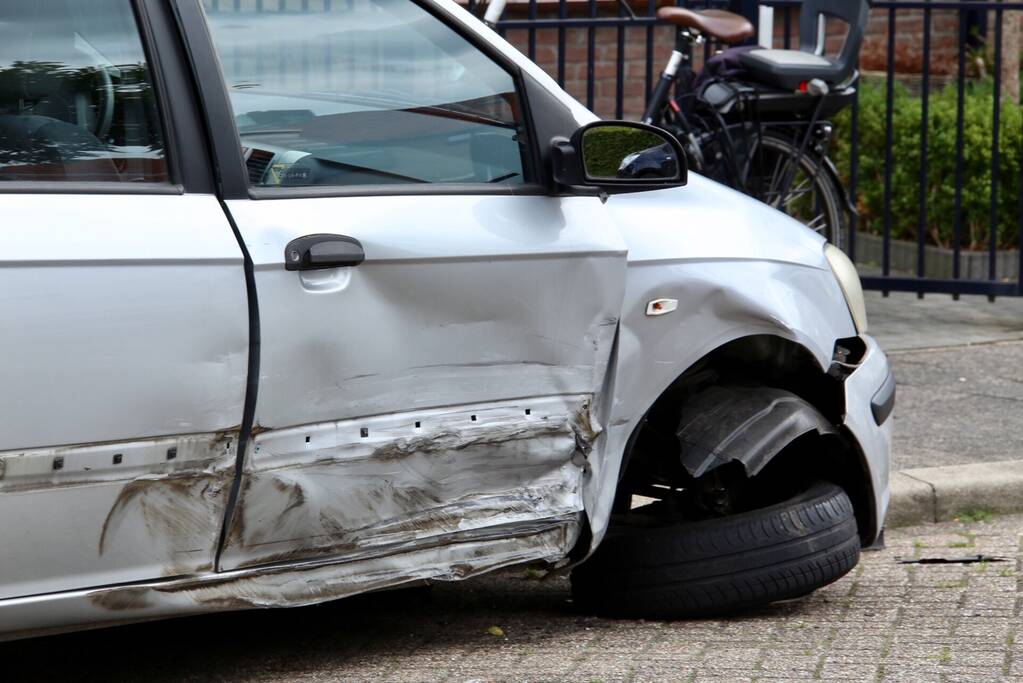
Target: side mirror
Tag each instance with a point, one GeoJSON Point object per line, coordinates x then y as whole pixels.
{"type": "Point", "coordinates": [619, 156]}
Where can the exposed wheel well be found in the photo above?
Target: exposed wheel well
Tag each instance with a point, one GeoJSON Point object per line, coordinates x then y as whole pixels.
{"type": "Point", "coordinates": [652, 461]}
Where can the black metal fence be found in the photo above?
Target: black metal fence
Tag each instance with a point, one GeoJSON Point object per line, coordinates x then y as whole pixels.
{"type": "Point", "coordinates": [957, 242]}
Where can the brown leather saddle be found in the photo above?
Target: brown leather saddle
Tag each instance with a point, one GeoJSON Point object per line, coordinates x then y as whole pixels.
{"type": "Point", "coordinates": [725, 26]}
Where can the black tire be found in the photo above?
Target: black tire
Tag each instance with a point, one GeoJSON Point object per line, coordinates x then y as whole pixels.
{"type": "Point", "coordinates": [724, 565]}
{"type": "Point", "coordinates": [810, 198]}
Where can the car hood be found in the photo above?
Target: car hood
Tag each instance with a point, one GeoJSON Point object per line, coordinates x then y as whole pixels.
{"type": "Point", "coordinates": [708, 221]}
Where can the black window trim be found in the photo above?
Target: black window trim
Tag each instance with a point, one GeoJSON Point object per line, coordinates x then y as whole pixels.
{"type": "Point", "coordinates": [175, 183]}
{"type": "Point", "coordinates": [225, 146]}
{"type": "Point", "coordinates": [182, 118]}
{"type": "Point", "coordinates": [232, 175]}
{"type": "Point", "coordinates": [395, 190]}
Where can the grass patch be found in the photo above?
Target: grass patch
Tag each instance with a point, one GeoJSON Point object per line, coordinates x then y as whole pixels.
{"type": "Point", "coordinates": [975, 516]}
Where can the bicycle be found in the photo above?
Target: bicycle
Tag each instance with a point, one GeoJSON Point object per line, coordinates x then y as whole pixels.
{"type": "Point", "coordinates": [757, 119]}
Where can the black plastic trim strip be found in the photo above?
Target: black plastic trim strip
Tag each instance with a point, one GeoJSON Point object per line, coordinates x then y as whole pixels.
{"type": "Point", "coordinates": [883, 402]}
{"type": "Point", "coordinates": [251, 390]}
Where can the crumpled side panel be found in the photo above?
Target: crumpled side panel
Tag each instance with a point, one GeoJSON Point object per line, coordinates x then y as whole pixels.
{"type": "Point", "coordinates": [357, 487]}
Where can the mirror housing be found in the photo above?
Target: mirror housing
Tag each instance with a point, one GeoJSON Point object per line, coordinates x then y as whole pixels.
{"type": "Point", "coordinates": [619, 156]}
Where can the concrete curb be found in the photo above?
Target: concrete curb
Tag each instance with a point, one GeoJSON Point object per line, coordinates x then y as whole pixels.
{"type": "Point", "coordinates": [939, 494]}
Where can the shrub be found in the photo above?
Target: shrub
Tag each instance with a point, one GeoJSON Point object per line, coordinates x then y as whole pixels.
{"type": "Point", "coordinates": [605, 148]}
{"type": "Point", "coordinates": [940, 186]}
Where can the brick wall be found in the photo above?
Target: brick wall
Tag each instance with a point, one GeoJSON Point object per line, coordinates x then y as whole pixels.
{"type": "Point", "coordinates": [909, 40]}
{"type": "Point", "coordinates": [606, 77]}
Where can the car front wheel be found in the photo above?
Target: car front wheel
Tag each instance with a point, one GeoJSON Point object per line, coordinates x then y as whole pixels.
{"type": "Point", "coordinates": [672, 570]}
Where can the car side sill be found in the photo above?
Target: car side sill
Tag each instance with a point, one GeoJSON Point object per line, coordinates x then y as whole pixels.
{"type": "Point", "coordinates": [456, 557]}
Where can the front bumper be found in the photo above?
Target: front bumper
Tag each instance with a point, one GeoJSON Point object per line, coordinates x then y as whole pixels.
{"type": "Point", "coordinates": [869, 399]}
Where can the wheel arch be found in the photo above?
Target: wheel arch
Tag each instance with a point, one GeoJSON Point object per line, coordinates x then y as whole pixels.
{"type": "Point", "coordinates": [755, 274]}
{"type": "Point", "coordinates": [775, 361]}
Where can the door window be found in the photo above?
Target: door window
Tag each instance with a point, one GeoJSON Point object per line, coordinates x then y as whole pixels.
{"type": "Point", "coordinates": [76, 97]}
{"type": "Point", "coordinates": [365, 92]}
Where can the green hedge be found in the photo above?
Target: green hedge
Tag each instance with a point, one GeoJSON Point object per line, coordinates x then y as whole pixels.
{"type": "Point", "coordinates": [605, 148]}
{"type": "Point", "coordinates": [940, 187]}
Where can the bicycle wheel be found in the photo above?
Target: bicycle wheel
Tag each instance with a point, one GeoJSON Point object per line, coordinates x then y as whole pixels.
{"type": "Point", "coordinates": [810, 197]}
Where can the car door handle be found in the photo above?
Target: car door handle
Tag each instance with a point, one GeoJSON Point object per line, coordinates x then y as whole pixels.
{"type": "Point", "coordinates": [316, 252]}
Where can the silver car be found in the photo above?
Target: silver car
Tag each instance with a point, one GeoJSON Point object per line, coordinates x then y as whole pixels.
{"type": "Point", "coordinates": [306, 299]}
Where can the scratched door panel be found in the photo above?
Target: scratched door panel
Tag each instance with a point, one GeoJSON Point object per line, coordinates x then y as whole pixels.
{"type": "Point", "coordinates": [465, 305]}
{"type": "Point", "coordinates": [112, 513]}
{"type": "Point", "coordinates": [125, 347]}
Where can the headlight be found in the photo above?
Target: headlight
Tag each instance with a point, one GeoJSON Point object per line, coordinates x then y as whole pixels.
{"type": "Point", "coordinates": [849, 280]}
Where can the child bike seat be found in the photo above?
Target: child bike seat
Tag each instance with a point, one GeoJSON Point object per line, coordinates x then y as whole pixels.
{"type": "Point", "coordinates": [789, 69]}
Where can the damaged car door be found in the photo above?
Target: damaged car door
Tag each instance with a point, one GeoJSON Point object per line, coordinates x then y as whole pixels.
{"type": "Point", "coordinates": [435, 329]}
{"type": "Point", "coordinates": [124, 343]}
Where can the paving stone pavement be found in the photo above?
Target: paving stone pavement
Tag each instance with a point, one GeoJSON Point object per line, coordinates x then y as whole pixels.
{"type": "Point", "coordinates": [884, 622]}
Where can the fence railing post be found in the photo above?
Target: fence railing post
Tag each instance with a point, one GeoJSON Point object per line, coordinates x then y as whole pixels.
{"type": "Point", "coordinates": [747, 8]}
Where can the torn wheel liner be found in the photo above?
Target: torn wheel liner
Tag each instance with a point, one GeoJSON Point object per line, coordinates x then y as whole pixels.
{"type": "Point", "coordinates": [749, 425]}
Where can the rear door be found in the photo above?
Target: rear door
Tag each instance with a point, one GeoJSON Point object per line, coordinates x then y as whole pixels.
{"type": "Point", "coordinates": [123, 307]}
{"type": "Point", "coordinates": [430, 382]}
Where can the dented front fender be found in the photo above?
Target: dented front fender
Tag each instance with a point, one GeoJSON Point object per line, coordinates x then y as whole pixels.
{"type": "Point", "coordinates": [737, 269]}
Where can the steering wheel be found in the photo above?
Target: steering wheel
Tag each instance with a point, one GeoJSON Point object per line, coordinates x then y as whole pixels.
{"type": "Point", "coordinates": [105, 106]}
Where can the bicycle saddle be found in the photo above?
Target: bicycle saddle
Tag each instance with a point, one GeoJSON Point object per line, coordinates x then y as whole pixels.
{"type": "Point", "coordinates": [725, 26]}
